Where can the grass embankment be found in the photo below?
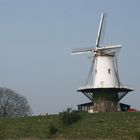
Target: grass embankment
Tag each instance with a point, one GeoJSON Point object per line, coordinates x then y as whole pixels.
{"type": "Point", "coordinates": [108, 126]}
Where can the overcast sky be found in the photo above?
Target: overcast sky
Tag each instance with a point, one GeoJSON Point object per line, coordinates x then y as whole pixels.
{"type": "Point", "coordinates": [36, 39]}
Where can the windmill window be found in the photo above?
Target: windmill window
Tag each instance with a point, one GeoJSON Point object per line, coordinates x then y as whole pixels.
{"type": "Point", "coordinates": [109, 70]}
{"type": "Point", "coordinates": [96, 71]}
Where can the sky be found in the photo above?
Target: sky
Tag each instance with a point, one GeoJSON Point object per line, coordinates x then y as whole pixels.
{"type": "Point", "coordinates": [36, 40]}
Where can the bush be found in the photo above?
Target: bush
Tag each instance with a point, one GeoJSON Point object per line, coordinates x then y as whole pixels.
{"type": "Point", "coordinates": [52, 130]}
{"type": "Point", "coordinates": [69, 116]}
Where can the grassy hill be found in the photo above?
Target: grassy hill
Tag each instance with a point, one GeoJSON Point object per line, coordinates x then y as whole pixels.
{"type": "Point", "coordinates": [100, 126]}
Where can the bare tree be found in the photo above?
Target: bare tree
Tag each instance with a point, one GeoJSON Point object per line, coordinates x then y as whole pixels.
{"type": "Point", "coordinates": [12, 104]}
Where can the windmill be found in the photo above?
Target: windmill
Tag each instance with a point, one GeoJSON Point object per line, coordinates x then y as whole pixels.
{"type": "Point", "coordinates": [103, 86]}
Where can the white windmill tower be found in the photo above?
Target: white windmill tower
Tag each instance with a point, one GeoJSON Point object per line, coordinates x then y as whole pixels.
{"type": "Point", "coordinates": [103, 86]}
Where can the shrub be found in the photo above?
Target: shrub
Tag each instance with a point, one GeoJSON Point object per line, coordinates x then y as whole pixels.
{"type": "Point", "coordinates": [52, 130]}
{"type": "Point", "coordinates": [69, 116]}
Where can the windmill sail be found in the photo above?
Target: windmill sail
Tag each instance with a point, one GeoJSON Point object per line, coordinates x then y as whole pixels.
{"type": "Point", "coordinates": [109, 50]}
{"type": "Point", "coordinates": [100, 30]}
{"type": "Point", "coordinates": [82, 50]}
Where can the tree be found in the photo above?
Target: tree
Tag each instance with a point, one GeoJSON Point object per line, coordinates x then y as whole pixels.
{"type": "Point", "coordinates": [12, 104]}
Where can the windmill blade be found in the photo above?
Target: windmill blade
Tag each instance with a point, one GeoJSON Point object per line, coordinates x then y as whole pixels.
{"type": "Point", "coordinates": [82, 50]}
{"type": "Point", "coordinates": [110, 47]}
{"type": "Point", "coordinates": [110, 50]}
{"type": "Point", "coordinates": [90, 74]}
{"type": "Point", "coordinates": [100, 30]}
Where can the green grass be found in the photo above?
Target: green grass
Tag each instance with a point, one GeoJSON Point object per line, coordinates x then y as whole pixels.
{"type": "Point", "coordinates": [99, 126]}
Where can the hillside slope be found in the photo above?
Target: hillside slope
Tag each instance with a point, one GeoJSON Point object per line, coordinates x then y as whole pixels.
{"type": "Point", "coordinates": [112, 126]}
